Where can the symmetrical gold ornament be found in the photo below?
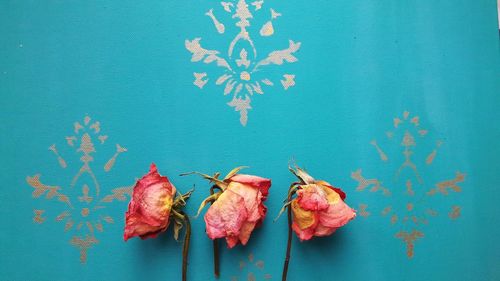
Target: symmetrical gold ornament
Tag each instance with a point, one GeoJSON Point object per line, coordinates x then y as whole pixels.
{"type": "Point", "coordinates": [242, 72]}
{"type": "Point", "coordinates": [409, 205]}
{"type": "Point", "coordinates": [82, 209]}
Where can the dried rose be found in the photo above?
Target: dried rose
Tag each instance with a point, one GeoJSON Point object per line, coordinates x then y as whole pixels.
{"type": "Point", "coordinates": [238, 210]}
{"type": "Point", "coordinates": [153, 205]}
{"type": "Point", "coordinates": [237, 207]}
{"type": "Point", "coordinates": [149, 210]}
{"type": "Point", "coordinates": [317, 210]}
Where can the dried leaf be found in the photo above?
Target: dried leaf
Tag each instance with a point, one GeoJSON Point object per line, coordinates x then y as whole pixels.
{"type": "Point", "coordinates": [177, 228]}
{"type": "Point", "coordinates": [302, 175]}
{"type": "Point", "coordinates": [234, 172]}
{"type": "Point", "coordinates": [209, 199]}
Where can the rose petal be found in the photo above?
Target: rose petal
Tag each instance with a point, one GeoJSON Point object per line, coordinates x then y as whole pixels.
{"type": "Point", "coordinates": [232, 241]}
{"type": "Point", "coordinates": [135, 227]}
{"type": "Point", "coordinates": [303, 218]}
{"type": "Point", "coordinates": [251, 197]}
{"type": "Point", "coordinates": [262, 184]}
{"type": "Point", "coordinates": [312, 197]}
{"type": "Point", "coordinates": [323, 230]}
{"type": "Point", "coordinates": [303, 234]}
{"type": "Point", "coordinates": [336, 189]}
{"type": "Point", "coordinates": [262, 213]}
{"type": "Point", "coordinates": [226, 215]}
{"type": "Point", "coordinates": [246, 231]}
{"type": "Point", "coordinates": [336, 215]}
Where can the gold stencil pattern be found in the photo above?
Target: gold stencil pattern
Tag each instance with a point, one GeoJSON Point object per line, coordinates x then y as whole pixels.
{"type": "Point", "coordinates": [251, 269]}
{"type": "Point", "coordinates": [81, 208]}
{"type": "Point", "coordinates": [242, 72]}
{"type": "Point", "coordinates": [407, 193]}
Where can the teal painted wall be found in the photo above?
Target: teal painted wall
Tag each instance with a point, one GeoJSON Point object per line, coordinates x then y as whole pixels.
{"type": "Point", "coordinates": [361, 64]}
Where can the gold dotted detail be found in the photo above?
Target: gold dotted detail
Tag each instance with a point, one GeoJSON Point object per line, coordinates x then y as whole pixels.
{"type": "Point", "coordinates": [85, 212]}
{"type": "Point", "coordinates": [245, 76]}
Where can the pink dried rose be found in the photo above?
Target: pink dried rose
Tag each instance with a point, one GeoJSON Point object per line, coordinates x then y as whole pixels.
{"type": "Point", "coordinates": [317, 210]}
{"type": "Point", "coordinates": [237, 207]}
{"type": "Point", "coordinates": [153, 206]}
{"type": "Point", "coordinates": [149, 210]}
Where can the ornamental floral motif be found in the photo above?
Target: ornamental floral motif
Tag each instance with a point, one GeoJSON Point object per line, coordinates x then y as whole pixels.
{"type": "Point", "coordinates": [251, 269]}
{"type": "Point", "coordinates": [242, 72]}
{"type": "Point", "coordinates": [81, 208]}
{"type": "Point", "coordinates": [409, 196]}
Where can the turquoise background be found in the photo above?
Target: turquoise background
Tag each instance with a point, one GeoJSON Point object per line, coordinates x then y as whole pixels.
{"type": "Point", "coordinates": [361, 64]}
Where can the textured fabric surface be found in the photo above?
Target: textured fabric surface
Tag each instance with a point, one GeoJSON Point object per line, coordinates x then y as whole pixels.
{"type": "Point", "coordinates": [395, 102]}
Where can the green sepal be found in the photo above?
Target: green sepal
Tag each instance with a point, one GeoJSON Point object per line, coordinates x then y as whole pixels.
{"type": "Point", "coordinates": [288, 200]}
{"type": "Point", "coordinates": [302, 175]}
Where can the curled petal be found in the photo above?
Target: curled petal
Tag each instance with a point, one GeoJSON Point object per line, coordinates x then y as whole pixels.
{"type": "Point", "coordinates": [336, 189]}
{"type": "Point", "coordinates": [246, 231]}
{"type": "Point", "coordinates": [262, 184]}
{"type": "Point", "coordinates": [337, 215]}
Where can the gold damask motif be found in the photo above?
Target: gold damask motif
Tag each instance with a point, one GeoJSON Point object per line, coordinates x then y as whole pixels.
{"type": "Point", "coordinates": [242, 71]}
{"type": "Point", "coordinates": [251, 269]}
{"type": "Point", "coordinates": [82, 210]}
{"type": "Point", "coordinates": [409, 205]}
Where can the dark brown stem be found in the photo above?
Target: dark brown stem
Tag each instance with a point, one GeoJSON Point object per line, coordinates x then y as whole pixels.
{"type": "Point", "coordinates": [216, 258]}
{"type": "Point", "coordinates": [185, 248]}
{"type": "Point", "coordinates": [289, 242]}
{"type": "Point", "coordinates": [215, 243]}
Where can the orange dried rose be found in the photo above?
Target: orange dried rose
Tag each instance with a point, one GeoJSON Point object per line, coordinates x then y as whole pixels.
{"type": "Point", "coordinates": [317, 210]}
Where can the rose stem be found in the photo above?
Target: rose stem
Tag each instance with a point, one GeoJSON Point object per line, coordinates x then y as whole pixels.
{"type": "Point", "coordinates": [216, 258]}
{"type": "Point", "coordinates": [185, 248]}
{"type": "Point", "coordinates": [289, 242]}
{"type": "Point", "coordinates": [215, 244]}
